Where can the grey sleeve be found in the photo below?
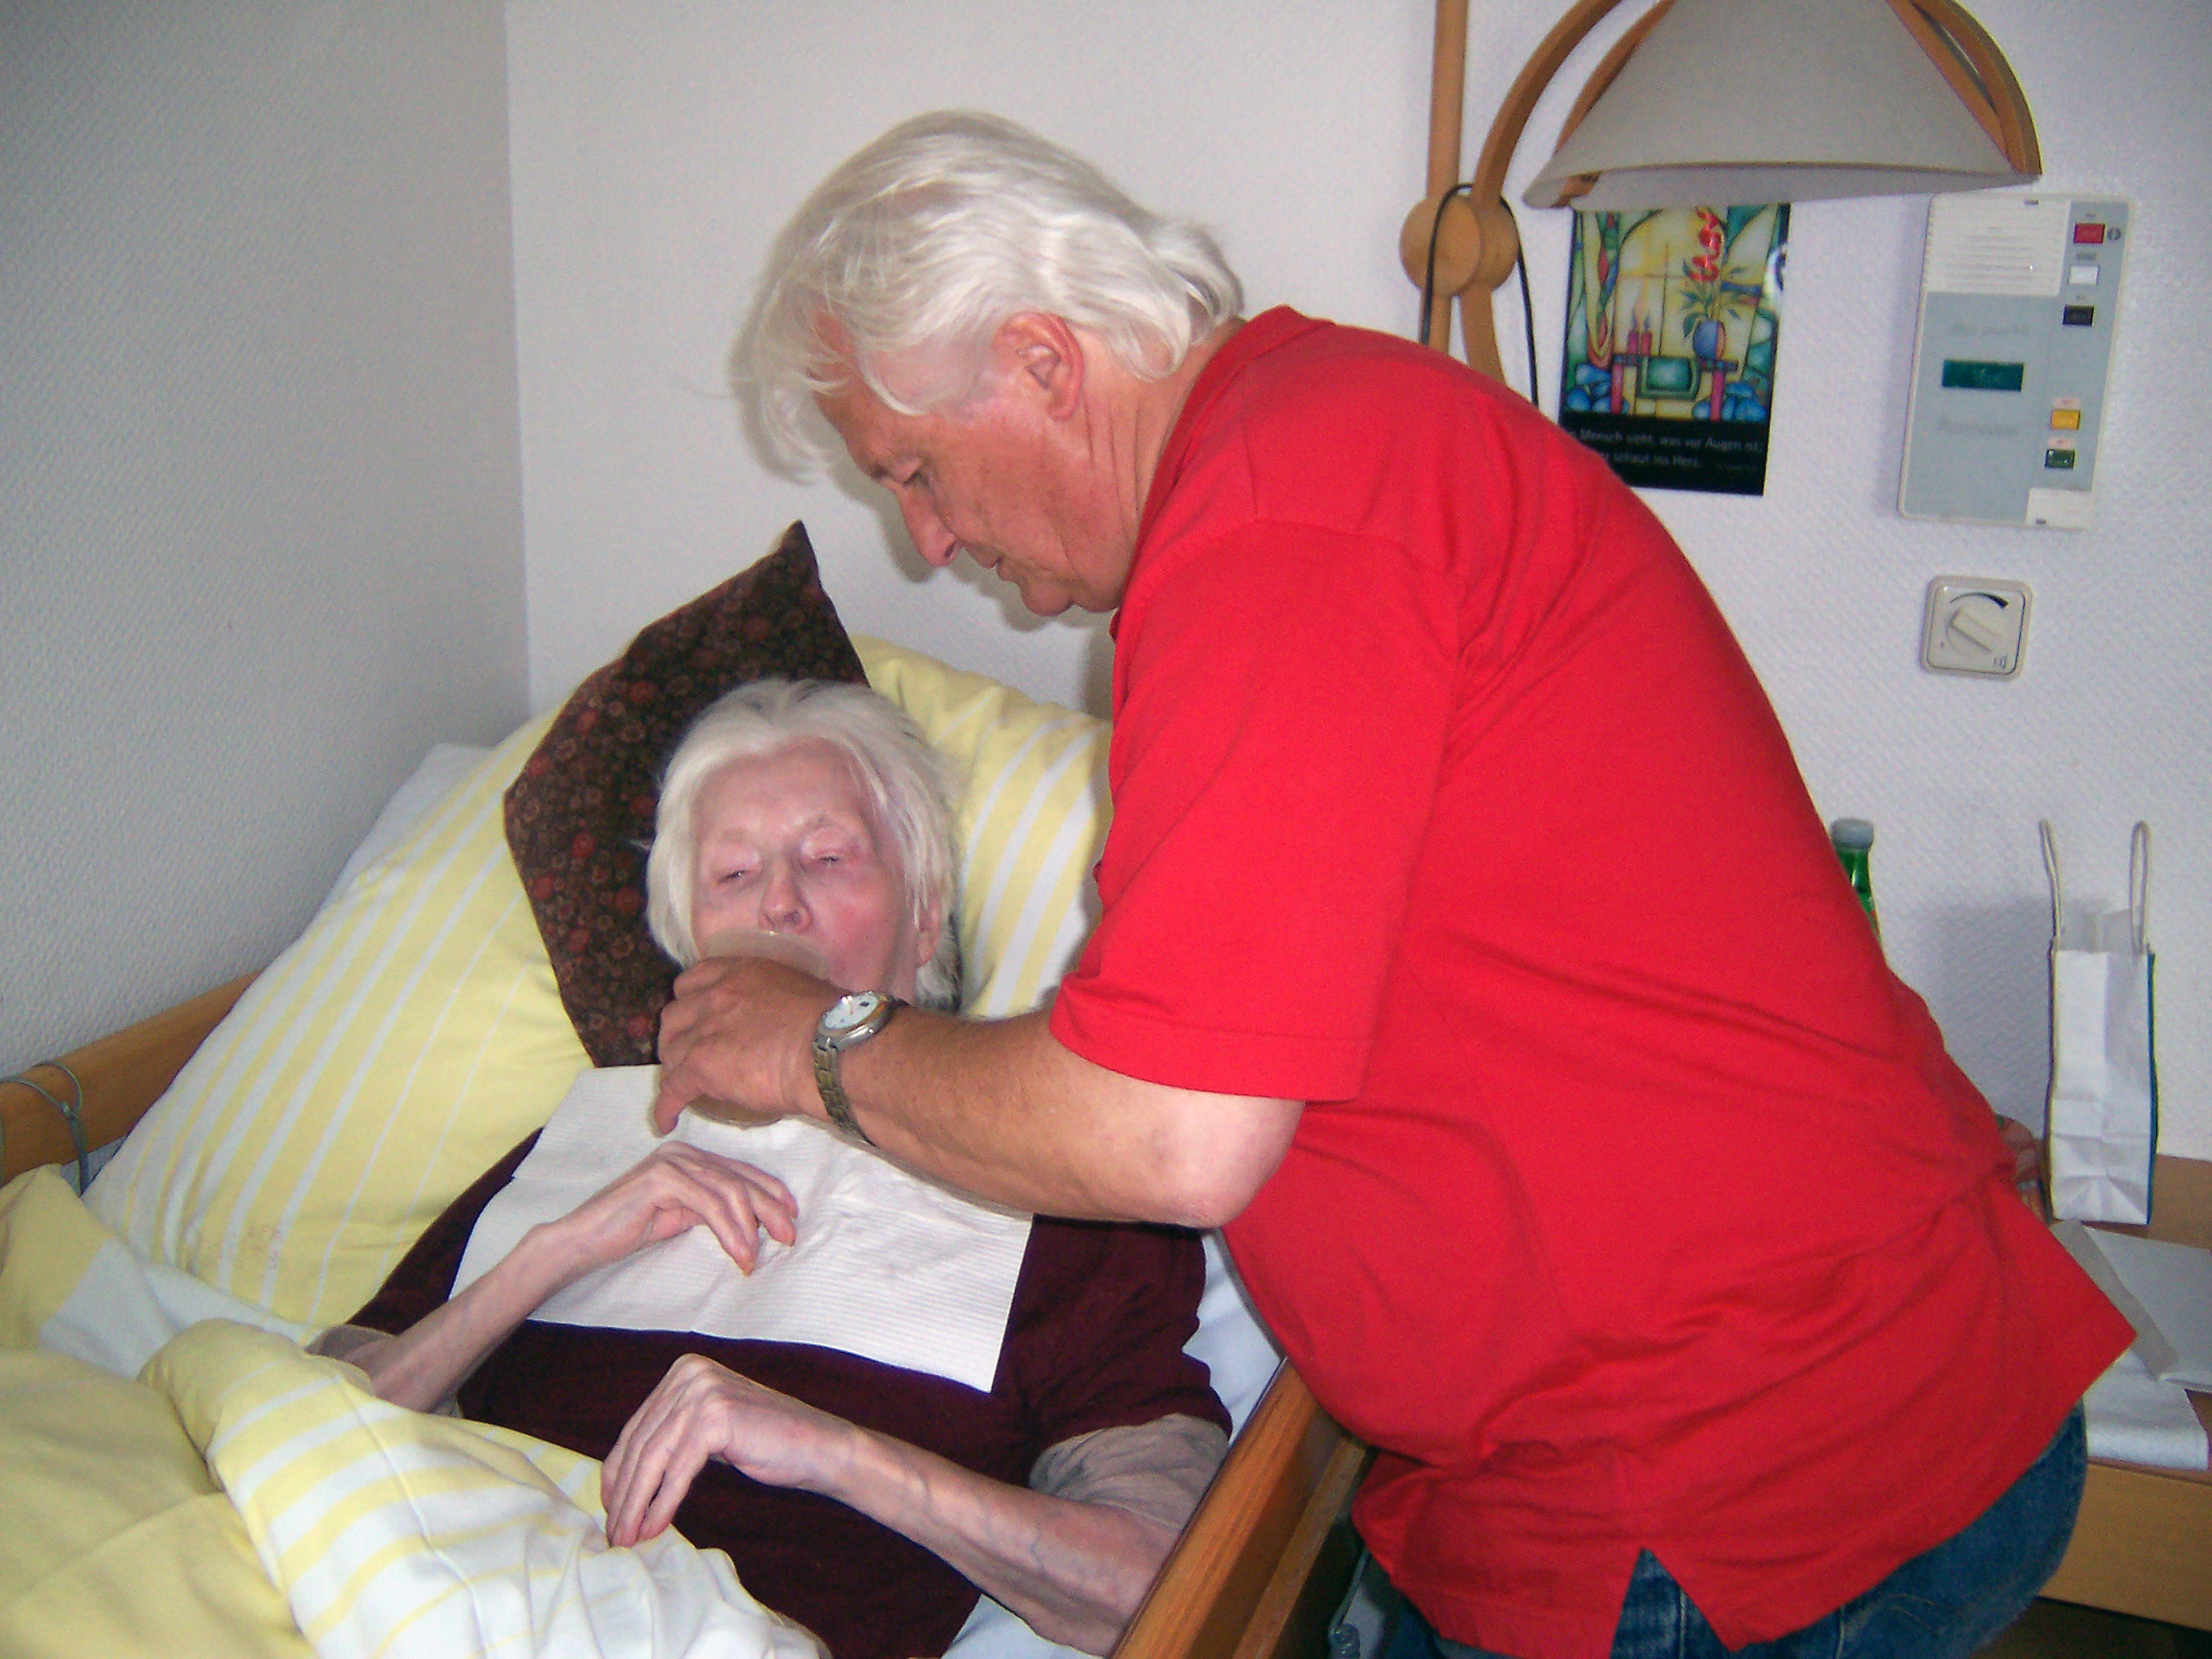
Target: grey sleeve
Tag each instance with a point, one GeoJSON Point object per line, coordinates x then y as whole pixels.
{"type": "Point", "coordinates": [1158, 1470]}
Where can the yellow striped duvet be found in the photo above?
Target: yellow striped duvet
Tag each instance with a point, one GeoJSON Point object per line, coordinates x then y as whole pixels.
{"type": "Point", "coordinates": [390, 1531]}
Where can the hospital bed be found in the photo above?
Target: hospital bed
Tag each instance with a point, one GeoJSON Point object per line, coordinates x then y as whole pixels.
{"type": "Point", "coordinates": [1258, 1574]}
{"type": "Point", "coordinates": [1265, 1561]}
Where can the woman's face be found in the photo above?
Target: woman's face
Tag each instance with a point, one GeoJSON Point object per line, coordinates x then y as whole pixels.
{"type": "Point", "coordinates": [786, 843]}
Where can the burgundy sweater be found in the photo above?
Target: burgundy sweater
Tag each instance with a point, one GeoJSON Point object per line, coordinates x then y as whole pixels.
{"type": "Point", "coordinates": [1095, 1340]}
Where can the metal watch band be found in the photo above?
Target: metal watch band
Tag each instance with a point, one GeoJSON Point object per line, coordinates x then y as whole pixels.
{"type": "Point", "coordinates": [834, 1100]}
{"type": "Point", "coordinates": [827, 1048]}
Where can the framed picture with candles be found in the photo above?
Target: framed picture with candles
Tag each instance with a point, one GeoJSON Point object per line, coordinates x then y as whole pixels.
{"type": "Point", "coordinates": [1673, 319]}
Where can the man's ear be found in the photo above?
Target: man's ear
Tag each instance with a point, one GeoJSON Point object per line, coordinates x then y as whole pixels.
{"type": "Point", "coordinates": [1047, 355]}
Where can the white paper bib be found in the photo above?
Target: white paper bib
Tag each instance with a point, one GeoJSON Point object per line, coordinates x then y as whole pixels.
{"type": "Point", "coordinates": [887, 1265]}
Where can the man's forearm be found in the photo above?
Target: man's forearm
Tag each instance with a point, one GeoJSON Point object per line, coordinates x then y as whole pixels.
{"type": "Point", "coordinates": [996, 1107]}
{"type": "Point", "coordinates": [999, 1109]}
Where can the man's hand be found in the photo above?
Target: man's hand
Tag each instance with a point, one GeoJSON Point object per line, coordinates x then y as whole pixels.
{"type": "Point", "coordinates": [738, 1042]}
{"type": "Point", "coordinates": [2027, 1150]}
{"type": "Point", "coordinates": [701, 1411]}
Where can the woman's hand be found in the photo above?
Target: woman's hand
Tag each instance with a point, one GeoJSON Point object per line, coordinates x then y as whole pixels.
{"type": "Point", "coordinates": [701, 1411]}
{"type": "Point", "coordinates": [1075, 1571]}
{"type": "Point", "coordinates": [672, 1188]}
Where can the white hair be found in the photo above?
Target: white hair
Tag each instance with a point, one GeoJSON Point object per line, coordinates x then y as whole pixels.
{"type": "Point", "coordinates": [903, 778]}
{"type": "Point", "coordinates": [916, 248]}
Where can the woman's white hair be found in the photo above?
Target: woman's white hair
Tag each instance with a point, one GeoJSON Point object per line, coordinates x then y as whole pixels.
{"type": "Point", "coordinates": [916, 250]}
{"type": "Point", "coordinates": [903, 778]}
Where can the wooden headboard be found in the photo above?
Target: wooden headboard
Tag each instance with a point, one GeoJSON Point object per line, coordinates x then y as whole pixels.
{"type": "Point", "coordinates": [122, 1075]}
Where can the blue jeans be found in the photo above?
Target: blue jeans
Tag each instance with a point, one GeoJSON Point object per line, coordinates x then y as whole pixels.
{"type": "Point", "coordinates": [1944, 1604]}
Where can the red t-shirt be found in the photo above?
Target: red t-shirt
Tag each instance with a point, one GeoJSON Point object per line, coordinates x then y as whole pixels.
{"type": "Point", "coordinates": [1093, 1340]}
{"type": "Point", "coordinates": [1638, 1204]}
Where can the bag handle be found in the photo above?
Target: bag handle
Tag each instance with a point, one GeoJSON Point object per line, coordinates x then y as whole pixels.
{"type": "Point", "coordinates": [2138, 880]}
{"type": "Point", "coordinates": [2139, 883]}
{"type": "Point", "coordinates": [2050, 869]}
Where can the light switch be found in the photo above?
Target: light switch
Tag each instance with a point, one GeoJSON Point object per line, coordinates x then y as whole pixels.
{"type": "Point", "coordinates": [1975, 625]}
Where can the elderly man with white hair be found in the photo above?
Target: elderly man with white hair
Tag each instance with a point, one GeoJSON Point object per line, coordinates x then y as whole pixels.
{"type": "Point", "coordinates": [1470, 949]}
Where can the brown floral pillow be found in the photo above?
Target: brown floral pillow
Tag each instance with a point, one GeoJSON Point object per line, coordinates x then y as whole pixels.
{"type": "Point", "coordinates": [580, 815]}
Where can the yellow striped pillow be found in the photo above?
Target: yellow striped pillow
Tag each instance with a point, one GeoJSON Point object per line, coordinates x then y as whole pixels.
{"type": "Point", "coordinates": [1032, 816]}
{"type": "Point", "coordinates": [404, 1042]}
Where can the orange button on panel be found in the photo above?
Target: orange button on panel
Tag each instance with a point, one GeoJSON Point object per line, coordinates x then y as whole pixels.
{"type": "Point", "coordinates": [2065, 419]}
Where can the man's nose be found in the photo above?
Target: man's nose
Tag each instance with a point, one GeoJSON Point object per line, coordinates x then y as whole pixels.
{"type": "Point", "coordinates": [928, 532]}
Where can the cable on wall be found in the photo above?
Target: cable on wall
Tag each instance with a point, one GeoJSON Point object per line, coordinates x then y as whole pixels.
{"type": "Point", "coordinates": [1520, 263]}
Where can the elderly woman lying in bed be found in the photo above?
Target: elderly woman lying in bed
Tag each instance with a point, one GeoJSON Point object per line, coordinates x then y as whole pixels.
{"type": "Point", "coordinates": [867, 1501]}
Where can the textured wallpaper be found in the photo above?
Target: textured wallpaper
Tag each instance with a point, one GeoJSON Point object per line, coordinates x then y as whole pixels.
{"type": "Point", "coordinates": [261, 542]}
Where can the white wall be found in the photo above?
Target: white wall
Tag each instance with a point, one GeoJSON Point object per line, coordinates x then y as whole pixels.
{"type": "Point", "coordinates": [261, 542]}
{"type": "Point", "coordinates": [657, 144]}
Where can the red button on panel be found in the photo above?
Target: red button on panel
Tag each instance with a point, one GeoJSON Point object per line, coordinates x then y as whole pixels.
{"type": "Point", "coordinates": [2088, 232]}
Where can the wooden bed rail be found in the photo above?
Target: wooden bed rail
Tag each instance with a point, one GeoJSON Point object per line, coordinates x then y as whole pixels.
{"type": "Point", "coordinates": [1270, 1551]}
{"type": "Point", "coordinates": [123, 1074]}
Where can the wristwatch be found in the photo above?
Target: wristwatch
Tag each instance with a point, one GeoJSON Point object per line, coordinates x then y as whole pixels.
{"type": "Point", "coordinates": [851, 1020]}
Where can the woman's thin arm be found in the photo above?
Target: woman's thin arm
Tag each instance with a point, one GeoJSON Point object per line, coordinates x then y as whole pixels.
{"type": "Point", "coordinates": [675, 1188]}
{"type": "Point", "coordinates": [424, 1366]}
{"type": "Point", "coordinates": [1075, 1571]}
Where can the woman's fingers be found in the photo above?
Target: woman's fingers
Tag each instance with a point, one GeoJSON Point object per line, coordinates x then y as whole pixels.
{"type": "Point", "coordinates": [737, 1203]}
{"type": "Point", "coordinates": [630, 1469]}
{"type": "Point", "coordinates": [660, 1452]}
{"type": "Point", "coordinates": [678, 1470]}
{"type": "Point", "coordinates": [678, 1187]}
{"type": "Point", "coordinates": [701, 1411]}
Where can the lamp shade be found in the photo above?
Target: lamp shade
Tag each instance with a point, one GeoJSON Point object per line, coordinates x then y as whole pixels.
{"type": "Point", "coordinates": [1744, 101]}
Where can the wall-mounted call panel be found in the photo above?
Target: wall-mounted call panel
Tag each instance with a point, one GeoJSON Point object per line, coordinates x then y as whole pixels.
{"type": "Point", "coordinates": [2019, 296]}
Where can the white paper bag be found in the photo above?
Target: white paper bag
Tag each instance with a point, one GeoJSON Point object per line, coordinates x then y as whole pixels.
{"type": "Point", "coordinates": [2103, 1127]}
